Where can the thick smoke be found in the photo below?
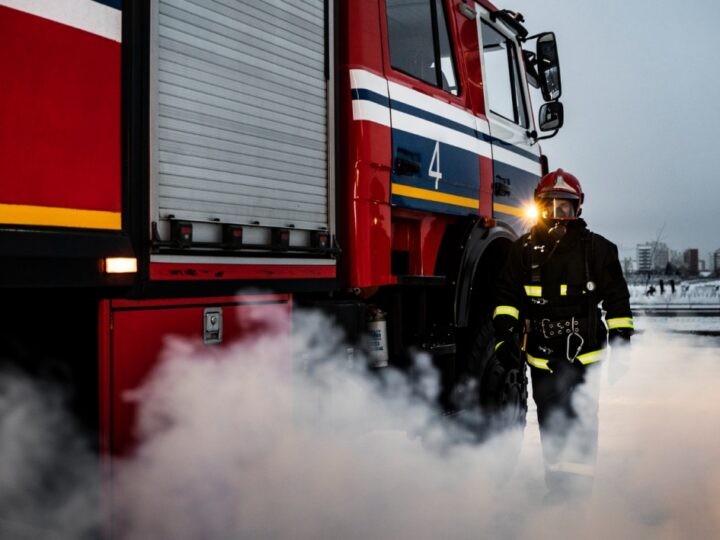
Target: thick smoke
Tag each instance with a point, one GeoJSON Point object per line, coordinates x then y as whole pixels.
{"type": "Point", "coordinates": [48, 476]}
{"type": "Point", "coordinates": [246, 443]}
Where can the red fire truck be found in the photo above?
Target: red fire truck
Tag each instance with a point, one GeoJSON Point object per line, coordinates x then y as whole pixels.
{"type": "Point", "coordinates": [370, 158]}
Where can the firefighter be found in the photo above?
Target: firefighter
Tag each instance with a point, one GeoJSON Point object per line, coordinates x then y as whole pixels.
{"type": "Point", "coordinates": [548, 293]}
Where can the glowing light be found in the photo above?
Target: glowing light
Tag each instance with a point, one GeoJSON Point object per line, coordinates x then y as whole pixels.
{"type": "Point", "coordinates": [120, 265]}
{"type": "Point", "coordinates": [531, 212]}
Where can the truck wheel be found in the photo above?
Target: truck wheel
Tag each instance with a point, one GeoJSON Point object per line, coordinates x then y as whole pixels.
{"type": "Point", "coordinates": [498, 395]}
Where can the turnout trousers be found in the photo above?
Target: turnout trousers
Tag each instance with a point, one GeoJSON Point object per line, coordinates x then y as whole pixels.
{"type": "Point", "coordinates": [567, 408]}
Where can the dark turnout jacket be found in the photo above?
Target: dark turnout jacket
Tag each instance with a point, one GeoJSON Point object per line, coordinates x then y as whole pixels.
{"type": "Point", "coordinates": [552, 291]}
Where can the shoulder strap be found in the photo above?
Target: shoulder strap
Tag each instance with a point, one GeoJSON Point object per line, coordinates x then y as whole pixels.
{"type": "Point", "coordinates": [591, 287]}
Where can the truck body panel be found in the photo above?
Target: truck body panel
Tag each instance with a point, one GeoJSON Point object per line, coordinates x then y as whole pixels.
{"type": "Point", "coordinates": [60, 97]}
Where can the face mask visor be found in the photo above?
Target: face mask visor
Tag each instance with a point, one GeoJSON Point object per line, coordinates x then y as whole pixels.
{"type": "Point", "coordinates": [558, 209]}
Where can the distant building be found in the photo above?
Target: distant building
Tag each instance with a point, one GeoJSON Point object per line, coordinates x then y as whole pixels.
{"type": "Point", "coordinates": [644, 257]}
{"type": "Point", "coordinates": [716, 262]}
{"type": "Point", "coordinates": [652, 257]}
{"type": "Point", "coordinates": [676, 258]}
{"type": "Point", "coordinates": [690, 260]}
{"type": "Point", "coordinates": [662, 256]}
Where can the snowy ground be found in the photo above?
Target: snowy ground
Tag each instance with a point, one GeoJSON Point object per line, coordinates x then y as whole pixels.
{"type": "Point", "coordinates": [682, 324]}
{"type": "Point", "coordinates": [690, 295]}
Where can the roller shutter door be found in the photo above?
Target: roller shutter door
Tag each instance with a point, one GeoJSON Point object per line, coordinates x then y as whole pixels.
{"type": "Point", "coordinates": [241, 112]}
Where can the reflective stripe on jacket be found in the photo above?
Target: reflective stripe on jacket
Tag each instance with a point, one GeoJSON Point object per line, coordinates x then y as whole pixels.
{"type": "Point", "coordinates": [585, 359]}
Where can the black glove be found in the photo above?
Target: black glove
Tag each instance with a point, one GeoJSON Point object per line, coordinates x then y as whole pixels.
{"type": "Point", "coordinates": [508, 352]}
{"type": "Point", "coordinates": [620, 337]}
{"type": "Point", "coordinates": [506, 343]}
{"type": "Point", "coordinates": [504, 327]}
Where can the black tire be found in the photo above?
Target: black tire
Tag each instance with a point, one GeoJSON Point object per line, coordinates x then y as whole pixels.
{"type": "Point", "coordinates": [490, 398]}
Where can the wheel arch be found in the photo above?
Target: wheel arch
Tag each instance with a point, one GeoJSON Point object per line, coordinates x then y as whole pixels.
{"type": "Point", "coordinates": [484, 253]}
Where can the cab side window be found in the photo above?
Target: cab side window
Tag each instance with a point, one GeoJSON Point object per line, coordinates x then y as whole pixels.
{"type": "Point", "coordinates": [501, 76]}
{"type": "Point", "coordinates": [420, 42]}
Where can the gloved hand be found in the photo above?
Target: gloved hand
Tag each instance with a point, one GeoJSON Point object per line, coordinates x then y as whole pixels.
{"type": "Point", "coordinates": [507, 348]}
{"type": "Point", "coordinates": [504, 327]}
{"type": "Point", "coordinates": [508, 352]}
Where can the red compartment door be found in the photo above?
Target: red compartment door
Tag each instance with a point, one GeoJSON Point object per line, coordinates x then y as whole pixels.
{"type": "Point", "coordinates": [133, 334]}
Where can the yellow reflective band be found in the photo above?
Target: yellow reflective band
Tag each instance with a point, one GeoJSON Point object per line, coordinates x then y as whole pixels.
{"type": "Point", "coordinates": [434, 196]}
{"type": "Point", "coordinates": [563, 290]}
{"type": "Point", "coordinates": [620, 322]}
{"type": "Point", "coordinates": [498, 345]}
{"type": "Point", "coordinates": [50, 216]}
{"type": "Point", "coordinates": [592, 356]}
{"type": "Point", "coordinates": [540, 363]}
{"type": "Point", "coordinates": [506, 209]}
{"type": "Point", "coordinates": [533, 290]}
{"type": "Point", "coordinates": [507, 310]}
{"type": "Point", "coordinates": [582, 469]}
{"type": "Point", "coordinates": [587, 358]}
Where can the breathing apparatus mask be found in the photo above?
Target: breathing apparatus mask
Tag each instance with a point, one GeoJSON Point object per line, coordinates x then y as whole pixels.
{"type": "Point", "coordinates": [555, 211]}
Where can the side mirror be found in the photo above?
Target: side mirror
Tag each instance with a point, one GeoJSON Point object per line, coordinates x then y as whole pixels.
{"type": "Point", "coordinates": [548, 66]}
{"type": "Point", "coordinates": [551, 116]}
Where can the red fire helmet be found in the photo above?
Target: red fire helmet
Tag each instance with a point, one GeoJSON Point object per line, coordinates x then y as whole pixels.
{"type": "Point", "coordinates": [560, 185]}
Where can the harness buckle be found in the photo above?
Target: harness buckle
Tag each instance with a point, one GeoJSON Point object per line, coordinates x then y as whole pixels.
{"type": "Point", "coordinates": [543, 328]}
{"type": "Point", "coordinates": [574, 334]}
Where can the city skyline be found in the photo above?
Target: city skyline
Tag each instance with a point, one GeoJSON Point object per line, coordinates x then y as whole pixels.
{"type": "Point", "coordinates": [655, 255]}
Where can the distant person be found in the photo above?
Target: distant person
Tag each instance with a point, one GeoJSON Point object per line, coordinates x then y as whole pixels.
{"type": "Point", "coordinates": [650, 291]}
{"type": "Point", "coordinates": [672, 286]}
{"type": "Point", "coordinates": [662, 287]}
{"type": "Point", "coordinates": [550, 287]}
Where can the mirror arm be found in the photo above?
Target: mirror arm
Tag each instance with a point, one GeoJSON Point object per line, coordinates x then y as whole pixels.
{"type": "Point", "coordinates": [534, 135]}
{"type": "Point", "coordinates": [534, 36]}
{"type": "Point", "coordinates": [547, 136]}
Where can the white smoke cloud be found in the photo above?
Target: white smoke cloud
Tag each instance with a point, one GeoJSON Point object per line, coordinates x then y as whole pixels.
{"type": "Point", "coordinates": [243, 446]}
{"type": "Point", "coordinates": [245, 443]}
{"type": "Point", "coordinates": [48, 476]}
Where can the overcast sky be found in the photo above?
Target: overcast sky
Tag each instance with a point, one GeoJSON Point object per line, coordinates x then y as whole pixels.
{"type": "Point", "coordinates": [640, 89]}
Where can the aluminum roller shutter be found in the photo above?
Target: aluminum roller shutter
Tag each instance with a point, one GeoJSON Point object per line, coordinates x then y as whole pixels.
{"type": "Point", "coordinates": [241, 112]}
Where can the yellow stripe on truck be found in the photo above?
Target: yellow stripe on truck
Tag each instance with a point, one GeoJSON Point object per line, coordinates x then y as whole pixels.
{"type": "Point", "coordinates": [507, 209]}
{"type": "Point", "coordinates": [50, 216]}
{"type": "Point", "coordinates": [434, 196]}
